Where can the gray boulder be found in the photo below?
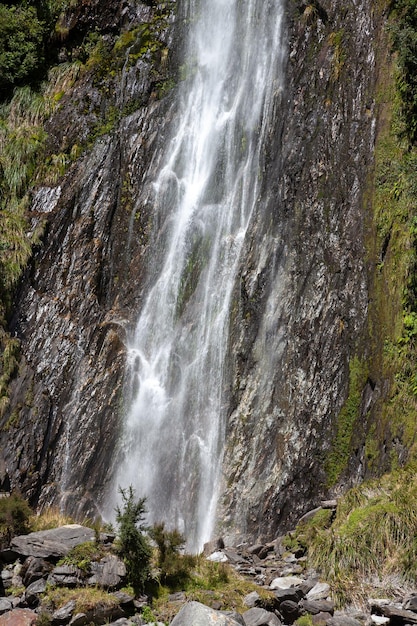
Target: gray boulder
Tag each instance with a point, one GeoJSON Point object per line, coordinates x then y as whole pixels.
{"type": "Point", "coordinates": [289, 611]}
{"type": "Point", "coordinates": [33, 592]}
{"type": "Point", "coordinates": [411, 603]}
{"type": "Point", "coordinates": [260, 617]}
{"type": "Point", "coordinates": [109, 573]}
{"type": "Point", "coordinates": [197, 614]}
{"type": "Point", "coordinates": [51, 544]}
{"type": "Point", "coordinates": [318, 606]}
{"type": "Point", "coordinates": [252, 599]}
{"type": "Point", "coordinates": [343, 620]}
{"type": "Point", "coordinates": [65, 576]}
{"type": "Point", "coordinates": [33, 569]}
{"type": "Point", "coordinates": [64, 614]}
{"type": "Point", "coordinates": [5, 605]}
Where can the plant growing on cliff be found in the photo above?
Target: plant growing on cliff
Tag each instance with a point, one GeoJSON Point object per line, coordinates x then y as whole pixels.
{"type": "Point", "coordinates": [14, 518]}
{"type": "Point", "coordinates": [372, 535]}
{"type": "Point", "coordinates": [21, 45]}
{"type": "Point", "coordinates": [133, 544]}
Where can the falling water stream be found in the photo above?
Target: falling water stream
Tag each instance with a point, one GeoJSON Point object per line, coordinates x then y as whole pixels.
{"type": "Point", "coordinates": [204, 198]}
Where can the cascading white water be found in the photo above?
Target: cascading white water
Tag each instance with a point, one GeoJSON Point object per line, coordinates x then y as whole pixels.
{"type": "Point", "coordinates": [204, 198]}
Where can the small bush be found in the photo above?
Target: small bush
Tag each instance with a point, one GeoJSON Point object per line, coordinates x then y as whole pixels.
{"type": "Point", "coordinates": [134, 546]}
{"type": "Point", "coordinates": [81, 556]}
{"type": "Point", "coordinates": [14, 518]}
{"type": "Point", "coordinates": [174, 567]}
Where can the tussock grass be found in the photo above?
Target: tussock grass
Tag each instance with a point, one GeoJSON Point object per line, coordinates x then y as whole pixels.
{"type": "Point", "coordinates": [51, 517]}
{"type": "Point", "coordinates": [372, 538]}
{"type": "Point", "coordinates": [86, 599]}
{"type": "Point", "coordinates": [210, 582]}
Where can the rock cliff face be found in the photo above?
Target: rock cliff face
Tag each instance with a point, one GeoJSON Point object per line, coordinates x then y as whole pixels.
{"type": "Point", "coordinates": [302, 304]}
{"type": "Point", "coordinates": [299, 312]}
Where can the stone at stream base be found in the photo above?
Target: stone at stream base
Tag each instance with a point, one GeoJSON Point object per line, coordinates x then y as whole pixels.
{"type": "Point", "coordinates": [49, 544]}
{"type": "Point", "coordinates": [411, 604]}
{"type": "Point", "coordinates": [197, 614]}
{"type": "Point", "coordinates": [19, 617]}
{"type": "Point", "coordinates": [318, 606]}
{"type": "Point", "coordinates": [213, 546]}
{"type": "Point", "coordinates": [251, 599]}
{"type": "Point", "coordinates": [5, 605]}
{"type": "Point", "coordinates": [260, 617]}
{"type": "Point", "coordinates": [109, 573]}
{"type": "Point", "coordinates": [343, 620]}
{"type": "Point", "coordinates": [64, 614]}
{"type": "Point", "coordinates": [320, 591]}
{"type": "Point", "coordinates": [398, 616]}
{"type": "Point", "coordinates": [33, 592]}
{"type": "Point", "coordinates": [290, 611]}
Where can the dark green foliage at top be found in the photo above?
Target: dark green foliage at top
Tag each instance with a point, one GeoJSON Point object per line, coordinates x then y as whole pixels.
{"type": "Point", "coordinates": [14, 518]}
{"type": "Point", "coordinates": [404, 34]}
{"type": "Point", "coordinates": [133, 544]}
{"type": "Point", "coordinates": [21, 45]}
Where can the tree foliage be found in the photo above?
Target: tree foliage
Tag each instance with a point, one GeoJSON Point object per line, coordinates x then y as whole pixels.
{"type": "Point", "coordinates": [134, 545]}
{"type": "Point", "coordinates": [21, 44]}
{"type": "Point", "coordinates": [404, 37]}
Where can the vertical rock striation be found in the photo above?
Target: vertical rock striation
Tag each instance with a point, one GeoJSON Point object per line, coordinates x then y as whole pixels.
{"type": "Point", "coordinates": [299, 309]}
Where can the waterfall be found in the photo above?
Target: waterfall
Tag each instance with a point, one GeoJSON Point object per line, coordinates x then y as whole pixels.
{"type": "Point", "coordinates": [204, 198]}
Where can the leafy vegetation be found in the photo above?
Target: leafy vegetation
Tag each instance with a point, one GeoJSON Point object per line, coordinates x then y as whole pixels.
{"type": "Point", "coordinates": [14, 518]}
{"type": "Point", "coordinates": [404, 37]}
{"type": "Point", "coordinates": [133, 543]}
{"type": "Point", "coordinates": [21, 44]}
{"type": "Point", "coordinates": [341, 447]}
{"type": "Point", "coordinates": [81, 556]}
{"type": "Point", "coordinates": [373, 536]}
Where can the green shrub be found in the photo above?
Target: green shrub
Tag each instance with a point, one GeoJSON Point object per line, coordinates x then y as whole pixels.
{"type": "Point", "coordinates": [21, 45]}
{"type": "Point", "coordinates": [134, 546]}
{"type": "Point", "coordinates": [14, 518]}
{"type": "Point", "coordinates": [81, 556]}
{"type": "Point", "coordinates": [175, 568]}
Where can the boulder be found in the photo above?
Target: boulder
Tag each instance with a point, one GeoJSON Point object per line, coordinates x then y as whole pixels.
{"type": "Point", "coordinates": [251, 599]}
{"type": "Point", "coordinates": [64, 614]}
{"type": "Point", "coordinates": [260, 617]}
{"type": "Point", "coordinates": [200, 615]}
{"type": "Point", "coordinates": [318, 606]}
{"type": "Point", "coordinates": [18, 617]}
{"type": "Point", "coordinates": [256, 549]}
{"type": "Point", "coordinates": [321, 618]}
{"type": "Point", "coordinates": [33, 569]}
{"type": "Point", "coordinates": [410, 603]}
{"type": "Point", "coordinates": [213, 546]}
{"type": "Point", "coordinates": [293, 593]}
{"type": "Point", "coordinates": [51, 544]}
{"type": "Point", "coordinates": [5, 605]}
{"type": "Point", "coordinates": [33, 591]}
{"type": "Point", "coordinates": [285, 582]}
{"type": "Point", "coordinates": [398, 615]}
{"type": "Point", "coordinates": [343, 620]}
{"type": "Point", "coordinates": [320, 591]}
{"type": "Point", "coordinates": [65, 576]}
{"type": "Point", "coordinates": [109, 573]}
{"type": "Point", "coordinates": [290, 611]}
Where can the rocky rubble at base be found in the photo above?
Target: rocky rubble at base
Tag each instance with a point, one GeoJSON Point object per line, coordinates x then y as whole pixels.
{"type": "Point", "coordinates": [30, 567]}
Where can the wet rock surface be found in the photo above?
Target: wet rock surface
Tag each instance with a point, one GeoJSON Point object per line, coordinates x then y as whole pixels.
{"type": "Point", "coordinates": [300, 303]}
